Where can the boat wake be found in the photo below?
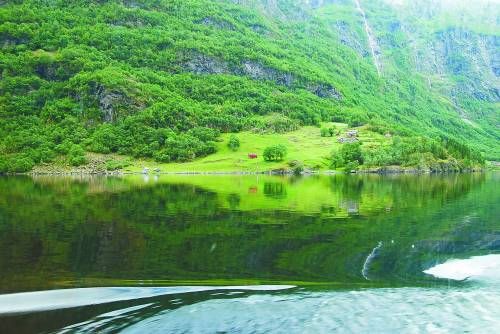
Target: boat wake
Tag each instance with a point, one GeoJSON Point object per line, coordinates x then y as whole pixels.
{"type": "Point", "coordinates": [477, 268]}
{"type": "Point", "coordinates": [369, 259]}
{"type": "Point", "coordinates": [27, 302]}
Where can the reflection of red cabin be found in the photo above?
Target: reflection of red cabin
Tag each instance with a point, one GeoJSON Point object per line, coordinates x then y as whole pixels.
{"type": "Point", "coordinates": [252, 155]}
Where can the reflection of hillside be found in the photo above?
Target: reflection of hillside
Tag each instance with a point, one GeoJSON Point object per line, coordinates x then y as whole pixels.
{"type": "Point", "coordinates": [177, 229]}
{"type": "Point", "coordinates": [351, 194]}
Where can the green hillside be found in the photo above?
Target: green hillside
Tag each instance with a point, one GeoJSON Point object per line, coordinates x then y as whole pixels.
{"type": "Point", "coordinates": [167, 81]}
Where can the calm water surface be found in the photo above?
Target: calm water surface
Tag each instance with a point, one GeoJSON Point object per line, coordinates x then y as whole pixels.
{"type": "Point", "coordinates": [250, 254]}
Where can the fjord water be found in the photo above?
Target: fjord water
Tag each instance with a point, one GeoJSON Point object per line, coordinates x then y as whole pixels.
{"type": "Point", "coordinates": [250, 254]}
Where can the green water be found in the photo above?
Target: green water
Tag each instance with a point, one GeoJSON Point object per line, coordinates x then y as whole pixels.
{"type": "Point", "coordinates": [353, 247]}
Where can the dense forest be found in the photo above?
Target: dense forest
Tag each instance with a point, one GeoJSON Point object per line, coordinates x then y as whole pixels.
{"type": "Point", "coordinates": [163, 79]}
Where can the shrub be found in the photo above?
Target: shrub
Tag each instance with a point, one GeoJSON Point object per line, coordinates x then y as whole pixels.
{"type": "Point", "coordinates": [351, 166]}
{"type": "Point", "coordinates": [162, 156]}
{"type": "Point", "coordinates": [380, 156]}
{"type": "Point", "coordinates": [234, 143]}
{"type": "Point", "coordinates": [3, 165]}
{"type": "Point", "coordinates": [297, 167]}
{"type": "Point", "coordinates": [64, 147]}
{"type": "Point", "coordinates": [297, 170]}
{"type": "Point", "coordinates": [117, 164]}
{"type": "Point", "coordinates": [352, 152]}
{"type": "Point", "coordinates": [106, 139]}
{"type": "Point", "coordinates": [327, 131]}
{"type": "Point", "coordinates": [275, 124]}
{"type": "Point", "coordinates": [275, 153]}
{"type": "Point", "coordinates": [76, 156]}
{"type": "Point", "coordinates": [336, 160]}
{"type": "Point", "coordinates": [20, 164]}
{"type": "Point", "coordinates": [356, 119]}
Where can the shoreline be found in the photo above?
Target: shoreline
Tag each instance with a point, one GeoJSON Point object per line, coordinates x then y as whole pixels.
{"type": "Point", "coordinates": [410, 171]}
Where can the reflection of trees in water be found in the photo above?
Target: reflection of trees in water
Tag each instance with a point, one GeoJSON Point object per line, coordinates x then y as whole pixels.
{"type": "Point", "coordinates": [234, 201]}
{"type": "Point", "coordinates": [275, 189]}
{"type": "Point", "coordinates": [352, 207]}
{"type": "Point", "coordinates": [167, 231]}
{"type": "Point", "coordinates": [404, 190]}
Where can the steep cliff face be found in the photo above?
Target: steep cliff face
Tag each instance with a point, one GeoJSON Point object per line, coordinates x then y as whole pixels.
{"type": "Point", "coordinates": [457, 52]}
{"type": "Point", "coordinates": [453, 47]}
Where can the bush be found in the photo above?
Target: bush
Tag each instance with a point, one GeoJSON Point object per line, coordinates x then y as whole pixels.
{"type": "Point", "coordinates": [117, 164]}
{"type": "Point", "coordinates": [327, 131]}
{"type": "Point", "coordinates": [352, 152]}
{"type": "Point", "coordinates": [20, 164]}
{"type": "Point", "coordinates": [275, 153]}
{"type": "Point", "coordinates": [162, 156]}
{"type": "Point", "coordinates": [275, 124]}
{"type": "Point", "coordinates": [3, 165]}
{"type": "Point", "coordinates": [351, 166]}
{"type": "Point", "coordinates": [297, 170]}
{"type": "Point", "coordinates": [76, 156]}
{"type": "Point", "coordinates": [356, 119]}
{"type": "Point", "coordinates": [336, 160]}
{"type": "Point", "coordinates": [297, 167]}
{"type": "Point", "coordinates": [106, 139]}
{"type": "Point", "coordinates": [381, 156]}
{"type": "Point", "coordinates": [234, 143]}
{"type": "Point", "coordinates": [64, 147]}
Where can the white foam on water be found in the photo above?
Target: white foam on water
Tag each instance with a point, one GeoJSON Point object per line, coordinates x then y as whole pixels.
{"type": "Point", "coordinates": [27, 302]}
{"type": "Point", "coordinates": [369, 259]}
{"type": "Point", "coordinates": [485, 267]}
{"type": "Point", "coordinates": [395, 310]}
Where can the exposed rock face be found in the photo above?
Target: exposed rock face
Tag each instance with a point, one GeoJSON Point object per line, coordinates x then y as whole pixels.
{"type": "Point", "coordinates": [321, 3]}
{"type": "Point", "coordinates": [202, 64]}
{"type": "Point", "coordinates": [324, 90]}
{"type": "Point", "coordinates": [349, 38]}
{"type": "Point", "coordinates": [7, 40]}
{"type": "Point", "coordinates": [107, 102]}
{"type": "Point", "coordinates": [473, 57]}
{"type": "Point", "coordinates": [260, 29]}
{"type": "Point", "coordinates": [112, 103]}
{"type": "Point", "coordinates": [216, 23]}
{"type": "Point", "coordinates": [46, 71]}
{"type": "Point", "coordinates": [258, 71]}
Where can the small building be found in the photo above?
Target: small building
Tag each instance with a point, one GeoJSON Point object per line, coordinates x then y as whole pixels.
{"type": "Point", "coordinates": [352, 133]}
{"type": "Point", "coordinates": [252, 155]}
{"type": "Point", "coordinates": [343, 140]}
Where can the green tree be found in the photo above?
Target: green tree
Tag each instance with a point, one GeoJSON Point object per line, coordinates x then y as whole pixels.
{"type": "Point", "coordinates": [324, 132]}
{"type": "Point", "coordinates": [20, 164]}
{"type": "Point", "coordinates": [233, 143]}
{"type": "Point", "coordinates": [76, 156]}
{"type": "Point", "coordinates": [327, 131]}
{"type": "Point", "coordinates": [351, 166]}
{"type": "Point", "coordinates": [351, 152]}
{"type": "Point", "coordinates": [336, 160]}
{"type": "Point", "coordinates": [275, 153]}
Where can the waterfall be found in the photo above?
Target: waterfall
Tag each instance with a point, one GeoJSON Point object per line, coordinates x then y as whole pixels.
{"type": "Point", "coordinates": [371, 38]}
{"type": "Point", "coordinates": [369, 259]}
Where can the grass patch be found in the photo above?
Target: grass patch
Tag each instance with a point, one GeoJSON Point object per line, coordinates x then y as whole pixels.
{"type": "Point", "coordinates": [305, 145]}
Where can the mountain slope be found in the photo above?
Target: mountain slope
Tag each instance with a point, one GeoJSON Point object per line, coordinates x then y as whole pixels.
{"type": "Point", "coordinates": [162, 79]}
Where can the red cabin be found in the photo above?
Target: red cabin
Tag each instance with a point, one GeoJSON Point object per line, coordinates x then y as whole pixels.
{"type": "Point", "coordinates": [252, 155]}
